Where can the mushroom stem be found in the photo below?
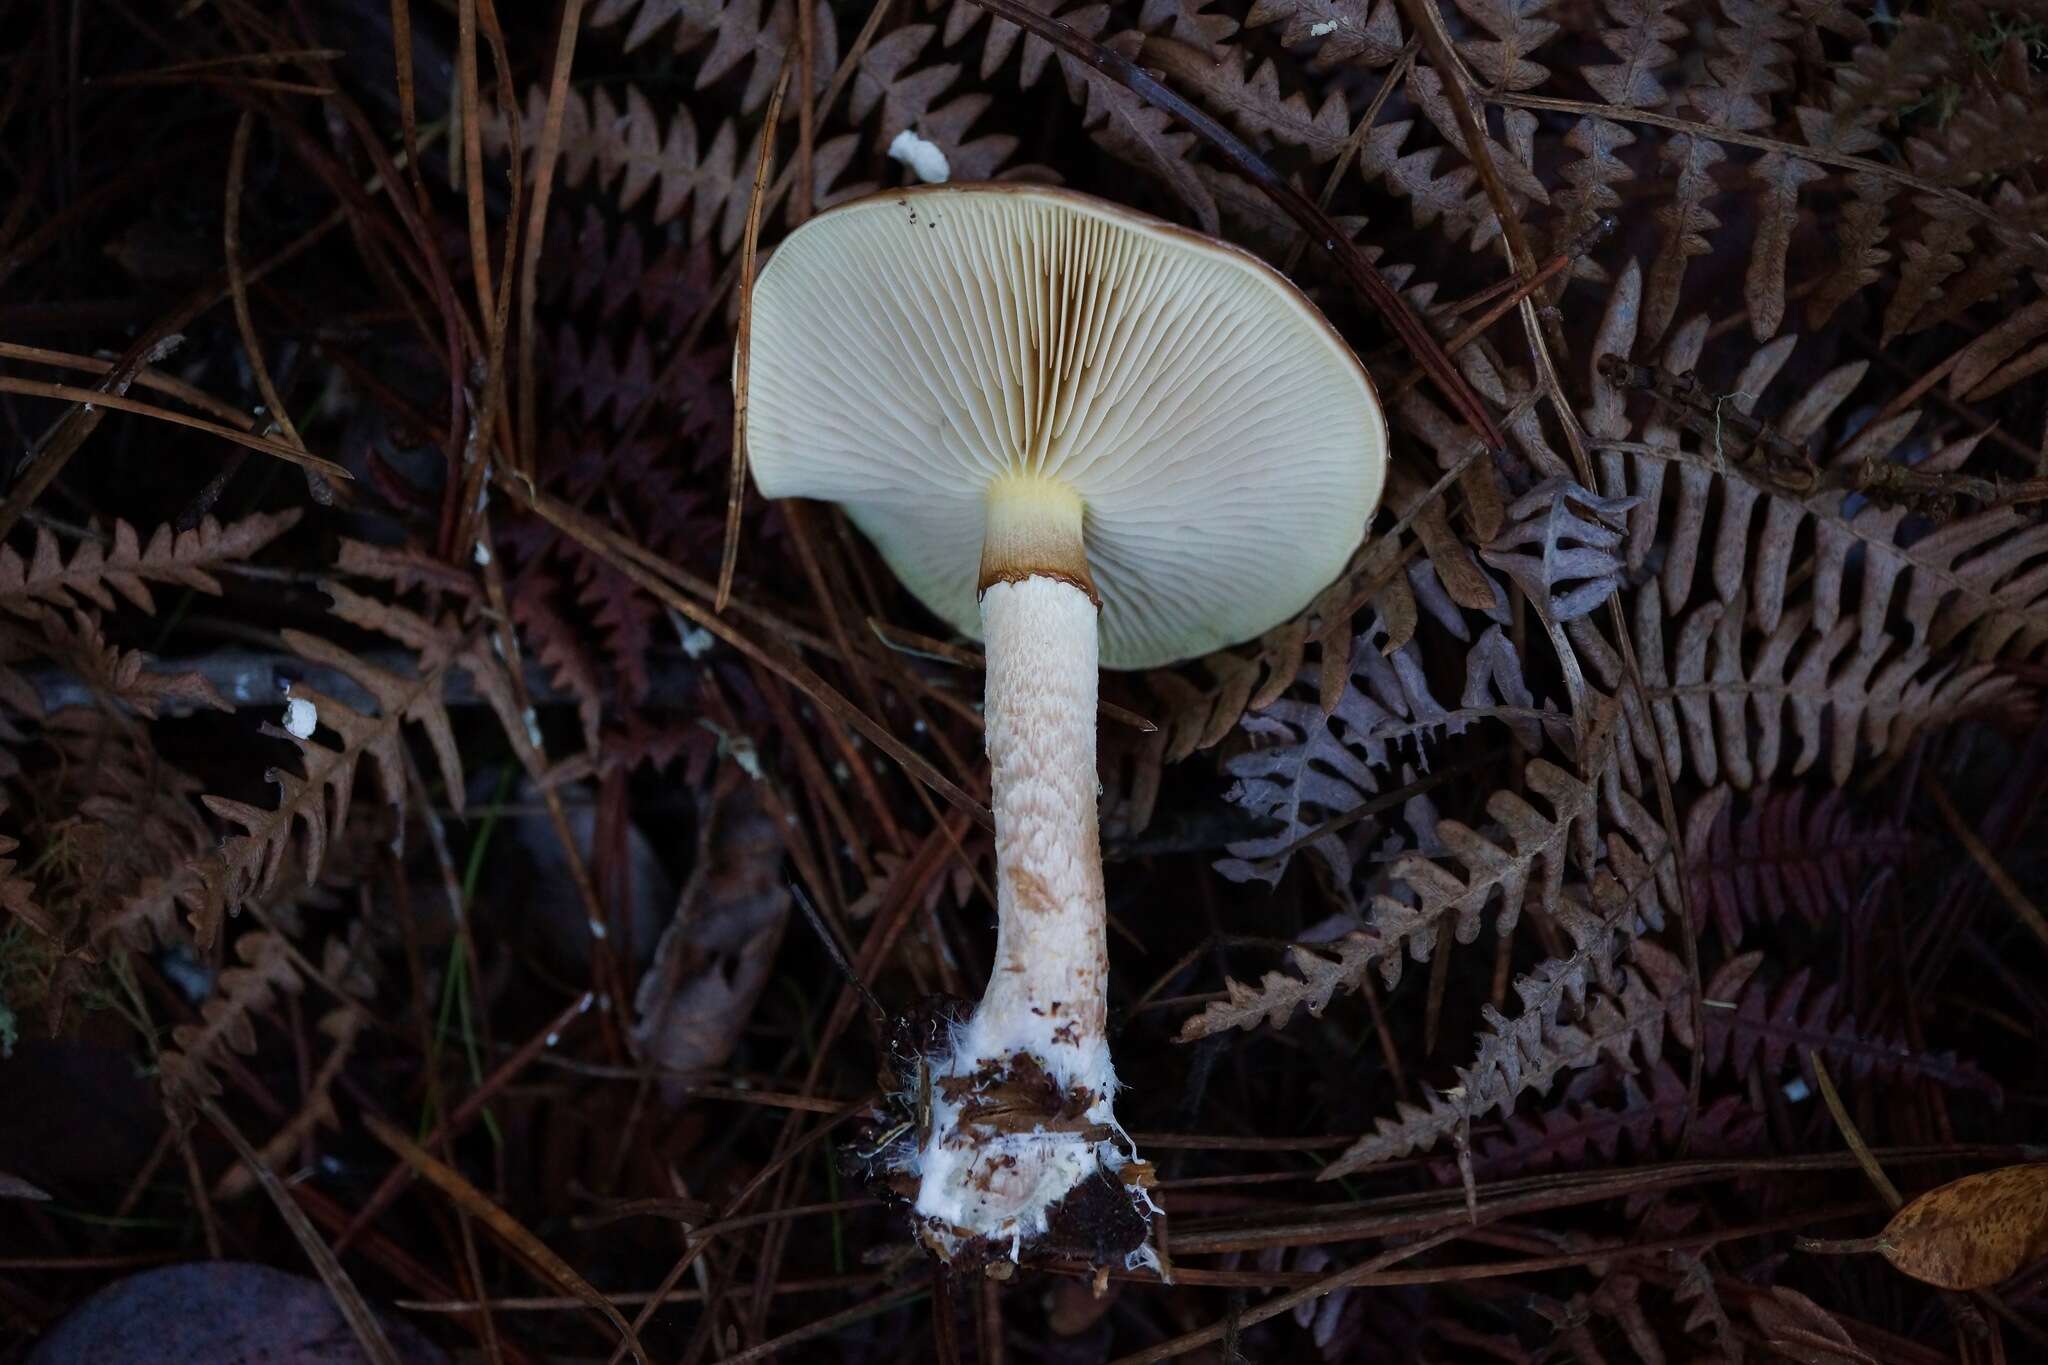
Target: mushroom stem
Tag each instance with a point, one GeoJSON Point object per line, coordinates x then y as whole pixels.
{"type": "Point", "coordinates": [1022, 1115]}
{"type": "Point", "coordinates": [1046, 993]}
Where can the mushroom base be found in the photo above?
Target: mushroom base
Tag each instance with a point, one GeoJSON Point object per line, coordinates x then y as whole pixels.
{"type": "Point", "coordinates": [1015, 1159]}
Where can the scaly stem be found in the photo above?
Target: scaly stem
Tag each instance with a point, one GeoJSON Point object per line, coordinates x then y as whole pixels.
{"type": "Point", "coordinates": [1022, 1112]}
{"type": "Point", "coordinates": [1046, 994]}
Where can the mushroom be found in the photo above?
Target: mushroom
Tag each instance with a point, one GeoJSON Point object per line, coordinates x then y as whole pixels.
{"type": "Point", "coordinates": [1091, 439]}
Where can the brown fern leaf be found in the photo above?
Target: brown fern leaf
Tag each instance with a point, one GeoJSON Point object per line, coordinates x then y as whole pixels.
{"type": "Point", "coordinates": [1861, 228]}
{"type": "Point", "coordinates": [2016, 233]}
{"type": "Point", "coordinates": [1786, 854]}
{"type": "Point", "coordinates": [1517, 28]}
{"type": "Point", "coordinates": [108, 817]}
{"type": "Point", "coordinates": [1704, 1310]}
{"type": "Point", "coordinates": [1186, 21]}
{"type": "Point", "coordinates": [1251, 218]}
{"type": "Point", "coordinates": [1444, 900]}
{"type": "Point", "coordinates": [1643, 43]}
{"type": "Point", "coordinates": [1317, 980]}
{"type": "Point", "coordinates": [320, 797]}
{"type": "Point", "coordinates": [560, 650]}
{"type": "Point", "coordinates": [1754, 1029]}
{"type": "Point", "coordinates": [1249, 97]}
{"type": "Point", "coordinates": [1649, 1116]}
{"type": "Point", "coordinates": [1973, 574]}
{"type": "Point", "coordinates": [1987, 366]}
{"type": "Point", "coordinates": [886, 80]}
{"type": "Point", "coordinates": [1728, 705]}
{"type": "Point", "coordinates": [96, 573]}
{"type": "Point", "coordinates": [1364, 33]}
{"type": "Point", "coordinates": [1317, 764]}
{"type": "Point", "coordinates": [1746, 65]}
{"type": "Point", "coordinates": [1781, 178]}
{"type": "Point", "coordinates": [1875, 84]}
{"type": "Point", "coordinates": [18, 896]}
{"type": "Point", "coordinates": [696, 19]}
{"type": "Point", "coordinates": [1930, 259]}
{"type": "Point", "coordinates": [241, 992]}
{"type": "Point", "coordinates": [621, 150]}
{"type": "Point", "coordinates": [316, 1110]}
{"type": "Point", "coordinates": [739, 33]}
{"type": "Point", "coordinates": [964, 16]}
{"type": "Point", "coordinates": [407, 568]}
{"type": "Point", "coordinates": [1590, 192]}
{"type": "Point", "coordinates": [1524, 1053]}
{"type": "Point", "coordinates": [1685, 221]}
{"type": "Point", "coordinates": [1132, 131]}
{"type": "Point", "coordinates": [1451, 195]}
{"type": "Point", "coordinates": [1994, 132]}
{"type": "Point", "coordinates": [121, 675]}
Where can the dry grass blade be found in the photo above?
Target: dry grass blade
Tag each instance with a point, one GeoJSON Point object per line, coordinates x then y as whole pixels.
{"type": "Point", "coordinates": [369, 1332]}
{"type": "Point", "coordinates": [1879, 1181]}
{"type": "Point", "coordinates": [536, 219]}
{"type": "Point", "coordinates": [2009, 890]}
{"type": "Point", "coordinates": [78, 425]}
{"type": "Point", "coordinates": [506, 1228]}
{"type": "Point", "coordinates": [238, 285]}
{"type": "Point", "coordinates": [90, 399]}
{"type": "Point", "coordinates": [146, 378]}
{"type": "Point", "coordinates": [742, 348]}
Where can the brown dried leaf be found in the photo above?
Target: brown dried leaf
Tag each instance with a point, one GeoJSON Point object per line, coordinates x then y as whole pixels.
{"type": "Point", "coordinates": [1972, 1233]}
{"type": "Point", "coordinates": [713, 958]}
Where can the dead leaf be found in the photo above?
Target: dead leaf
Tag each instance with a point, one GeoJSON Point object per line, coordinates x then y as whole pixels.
{"type": "Point", "coordinates": [1972, 1232]}
{"type": "Point", "coordinates": [713, 959]}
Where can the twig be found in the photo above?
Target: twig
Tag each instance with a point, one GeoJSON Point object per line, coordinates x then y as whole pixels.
{"type": "Point", "coordinates": [507, 1229]}
{"type": "Point", "coordinates": [369, 1332]}
{"type": "Point", "coordinates": [93, 401]}
{"type": "Point", "coordinates": [742, 344]}
{"type": "Point", "coordinates": [1879, 1181]}
{"type": "Point", "coordinates": [1987, 861]}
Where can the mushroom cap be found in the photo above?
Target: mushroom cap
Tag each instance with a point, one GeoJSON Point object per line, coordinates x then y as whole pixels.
{"type": "Point", "coordinates": [912, 348]}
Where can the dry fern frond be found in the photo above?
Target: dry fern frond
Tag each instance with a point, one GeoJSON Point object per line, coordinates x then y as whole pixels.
{"type": "Point", "coordinates": [1134, 132]}
{"type": "Point", "coordinates": [1248, 95]}
{"type": "Point", "coordinates": [740, 33]}
{"type": "Point", "coordinates": [108, 818]}
{"type": "Point", "coordinates": [1867, 560]}
{"type": "Point", "coordinates": [1524, 1053]}
{"type": "Point", "coordinates": [1753, 1028]}
{"type": "Point", "coordinates": [319, 797]}
{"type": "Point", "coordinates": [1786, 854]}
{"type": "Point", "coordinates": [1318, 763]}
{"type": "Point", "coordinates": [316, 1110]}
{"type": "Point", "coordinates": [1443, 891]}
{"type": "Point", "coordinates": [120, 675]}
{"type": "Point", "coordinates": [95, 574]}
{"type": "Point", "coordinates": [898, 95]}
{"type": "Point", "coordinates": [18, 895]}
{"type": "Point", "coordinates": [1728, 705]}
{"type": "Point", "coordinates": [623, 150]}
{"type": "Point", "coordinates": [1650, 1114]}
{"type": "Point", "coordinates": [1363, 33]}
{"type": "Point", "coordinates": [241, 992]}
